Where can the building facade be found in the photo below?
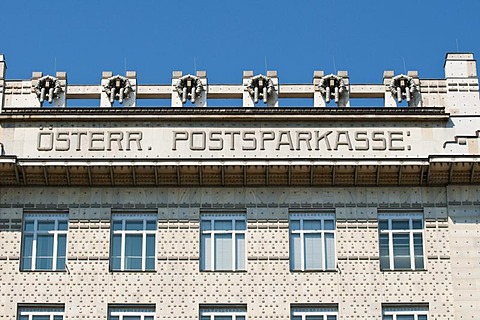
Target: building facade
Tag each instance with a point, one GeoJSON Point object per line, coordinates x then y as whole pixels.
{"type": "Point", "coordinates": [328, 212]}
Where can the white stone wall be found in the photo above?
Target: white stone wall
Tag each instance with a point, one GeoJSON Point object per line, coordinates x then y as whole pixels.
{"type": "Point", "coordinates": [267, 287]}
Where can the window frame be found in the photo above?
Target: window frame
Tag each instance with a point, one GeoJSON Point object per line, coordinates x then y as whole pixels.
{"type": "Point", "coordinates": [40, 217]}
{"type": "Point", "coordinates": [32, 311]}
{"type": "Point", "coordinates": [317, 310]}
{"type": "Point", "coordinates": [410, 231]}
{"type": "Point", "coordinates": [131, 311]}
{"type": "Point", "coordinates": [211, 218]}
{"type": "Point", "coordinates": [123, 217]}
{"type": "Point", "coordinates": [226, 311]}
{"type": "Point", "coordinates": [405, 310]}
{"type": "Point", "coordinates": [301, 217]}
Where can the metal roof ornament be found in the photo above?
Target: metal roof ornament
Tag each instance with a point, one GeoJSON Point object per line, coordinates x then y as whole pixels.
{"type": "Point", "coordinates": [189, 87]}
{"type": "Point", "coordinates": [332, 86]}
{"type": "Point", "coordinates": [260, 86]}
{"type": "Point", "coordinates": [48, 88]}
{"type": "Point", "coordinates": [118, 88]}
{"type": "Point", "coordinates": [403, 86]}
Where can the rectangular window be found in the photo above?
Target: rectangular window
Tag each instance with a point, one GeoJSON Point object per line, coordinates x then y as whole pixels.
{"type": "Point", "coordinates": [40, 313]}
{"type": "Point", "coordinates": [401, 242]}
{"type": "Point", "coordinates": [312, 242]}
{"type": "Point", "coordinates": [315, 313]}
{"type": "Point", "coordinates": [223, 242]}
{"type": "Point", "coordinates": [405, 313]}
{"type": "Point", "coordinates": [131, 312]}
{"type": "Point", "coordinates": [223, 313]}
{"type": "Point", "coordinates": [44, 242]}
{"type": "Point", "coordinates": [133, 242]}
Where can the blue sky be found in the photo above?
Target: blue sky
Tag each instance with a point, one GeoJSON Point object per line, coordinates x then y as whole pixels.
{"type": "Point", "coordinates": [226, 37]}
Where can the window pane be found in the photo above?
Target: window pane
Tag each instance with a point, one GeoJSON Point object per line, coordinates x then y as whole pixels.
{"type": "Point", "coordinates": [387, 317]}
{"type": "Point", "coordinates": [295, 224]}
{"type": "Point", "coordinates": [313, 252]}
{"type": "Point", "coordinates": [295, 252]}
{"type": "Point", "coordinates": [383, 225]}
{"type": "Point", "coordinates": [422, 317]}
{"type": "Point", "coordinates": [61, 245]}
{"type": "Point", "coordinates": [405, 317]}
{"type": "Point", "coordinates": [63, 225]}
{"type": "Point", "coordinates": [314, 317]}
{"type": "Point", "coordinates": [418, 249]}
{"type": "Point", "coordinates": [131, 317]}
{"type": "Point", "coordinates": [116, 252]}
{"type": "Point", "coordinates": [134, 225]}
{"type": "Point", "coordinates": [329, 225]}
{"type": "Point", "coordinates": [312, 224]}
{"type": "Point", "coordinates": [57, 317]}
{"type": "Point", "coordinates": [240, 225]}
{"type": "Point", "coordinates": [223, 252]}
{"type": "Point", "coordinates": [400, 225]}
{"type": "Point", "coordinates": [133, 251]}
{"type": "Point", "coordinates": [46, 225]}
{"type": "Point", "coordinates": [329, 251]}
{"type": "Point", "coordinates": [223, 225]}
{"type": "Point", "coordinates": [151, 224]}
{"type": "Point", "coordinates": [240, 317]}
{"type": "Point", "coordinates": [117, 225]}
{"type": "Point", "coordinates": [36, 317]}
{"type": "Point", "coordinates": [223, 317]}
{"type": "Point", "coordinates": [206, 225]}
{"type": "Point", "coordinates": [331, 317]}
{"type": "Point", "coordinates": [114, 318]}
{"type": "Point", "coordinates": [205, 259]}
{"type": "Point", "coordinates": [384, 253]}
{"type": "Point", "coordinates": [150, 262]}
{"type": "Point", "coordinates": [44, 259]}
{"type": "Point", "coordinates": [417, 224]}
{"type": "Point", "coordinates": [27, 252]}
{"type": "Point", "coordinates": [240, 247]}
{"type": "Point", "coordinates": [148, 318]}
{"type": "Point", "coordinates": [401, 251]}
{"type": "Point", "coordinates": [205, 318]}
{"type": "Point", "coordinates": [28, 226]}
{"type": "Point", "coordinates": [296, 318]}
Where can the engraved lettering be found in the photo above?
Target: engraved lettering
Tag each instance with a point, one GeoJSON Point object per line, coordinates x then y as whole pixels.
{"type": "Point", "coordinates": [395, 136]}
{"type": "Point", "coordinates": [251, 139]}
{"type": "Point", "coordinates": [324, 137]}
{"type": "Point", "coordinates": [116, 136]}
{"type": "Point", "coordinates": [135, 136]}
{"type": "Point", "coordinates": [288, 141]}
{"type": "Point", "coordinates": [198, 136]}
{"type": "Point", "coordinates": [266, 136]}
{"type": "Point", "coordinates": [179, 136]}
{"type": "Point", "coordinates": [362, 136]}
{"type": "Point", "coordinates": [217, 139]}
{"type": "Point", "coordinates": [45, 141]}
{"type": "Point", "coordinates": [343, 142]}
{"type": "Point", "coordinates": [307, 139]}
{"type": "Point", "coordinates": [97, 140]}
{"type": "Point", "coordinates": [62, 142]}
{"type": "Point", "coordinates": [379, 136]}
{"type": "Point", "coordinates": [79, 139]}
{"type": "Point", "coordinates": [232, 138]}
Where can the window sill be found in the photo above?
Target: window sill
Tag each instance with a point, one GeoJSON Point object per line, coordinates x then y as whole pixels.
{"type": "Point", "coordinates": [314, 271]}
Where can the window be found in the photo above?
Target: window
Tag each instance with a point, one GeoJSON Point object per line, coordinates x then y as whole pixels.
{"type": "Point", "coordinates": [44, 242]}
{"type": "Point", "coordinates": [223, 242]}
{"type": "Point", "coordinates": [133, 242]}
{"type": "Point", "coordinates": [131, 312]}
{"type": "Point", "coordinates": [312, 242]}
{"type": "Point", "coordinates": [401, 242]}
{"type": "Point", "coordinates": [405, 313]}
{"type": "Point", "coordinates": [315, 313]}
{"type": "Point", "coordinates": [223, 313]}
{"type": "Point", "coordinates": [40, 313]}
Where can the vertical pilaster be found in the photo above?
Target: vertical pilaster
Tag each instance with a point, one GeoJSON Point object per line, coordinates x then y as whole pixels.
{"type": "Point", "coordinates": [389, 99]}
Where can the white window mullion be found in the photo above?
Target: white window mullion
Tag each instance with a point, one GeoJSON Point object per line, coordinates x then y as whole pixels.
{"type": "Point", "coordinates": [322, 244]}
{"type": "Point", "coordinates": [390, 244]}
{"type": "Point", "coordinates": [34, 245]}
{"type": "Point", "coordinates": [410, 241]}
{"type": "Point", "coordinates": [302, 246]}
{"type": "Point", "coordinates": [234, 245]}
{"type": "Point", "coordinates": [122, 249]}
{"type": "Point", "coordinates": [144, 246]}
{"type": "Point", "coordinates": [212, 249]}
{"type": "Point", "coordinates": [55, 246]}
